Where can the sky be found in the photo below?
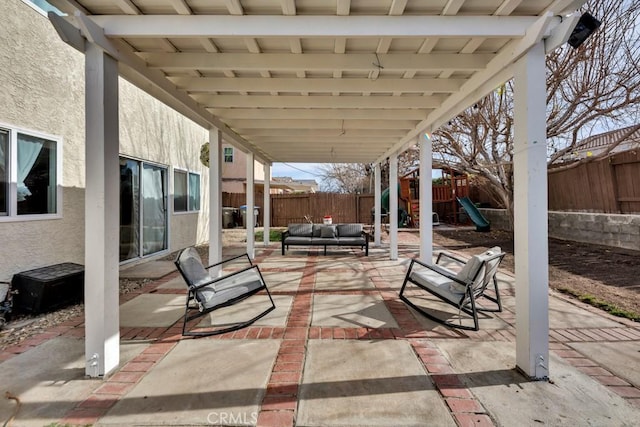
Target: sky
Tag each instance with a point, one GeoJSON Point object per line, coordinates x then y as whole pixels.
{"type": "Point", "coordinates": [297, 170]}
{"type": "Point", "coordinates": [42, 4]}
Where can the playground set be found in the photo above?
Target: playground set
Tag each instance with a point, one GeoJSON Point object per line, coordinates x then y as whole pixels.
{"type": "Point", "coordinates": [451, 203]}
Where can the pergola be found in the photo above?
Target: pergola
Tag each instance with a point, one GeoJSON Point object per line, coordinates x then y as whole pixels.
{"type": "Point", "coordinates": [317, 81]}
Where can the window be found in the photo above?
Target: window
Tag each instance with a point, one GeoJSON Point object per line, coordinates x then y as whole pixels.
{"type": "Point", "coordinates": [186, 191]}
{"type": "Point", "coordinates": [143, 208]}
{"type": "Point", "coordinates": [228, 154]}
{"type": "Point", "coordinates": [179, 191]}
{"type": "Point", "coordinates": [36, 175]}
{"type": "Point", "coordinates": [4, 170]}
{"type": "Point", "coordinates": [30, 173]}
{"type": "Point", "coordinates": [194, 192]}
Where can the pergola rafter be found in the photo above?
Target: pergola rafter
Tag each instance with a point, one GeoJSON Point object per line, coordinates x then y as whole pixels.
{"type": "Point", "coordinates": [217, 26]}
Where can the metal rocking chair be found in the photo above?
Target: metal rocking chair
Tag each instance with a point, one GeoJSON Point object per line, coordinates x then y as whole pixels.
{"type": "Point", "coordinates": [461, 289]}
{"type": "Point", "coordinates": [210, 292]}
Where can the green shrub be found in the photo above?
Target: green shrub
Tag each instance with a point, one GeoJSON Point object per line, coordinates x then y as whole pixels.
{"type": "Point", "coordinates": [274, 236]}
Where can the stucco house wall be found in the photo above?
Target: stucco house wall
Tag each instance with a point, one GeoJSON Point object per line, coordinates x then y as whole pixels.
{"type": "Point", "coordinates": [234, 174]}
{"type": "Point", "coordinates": [42, 90]}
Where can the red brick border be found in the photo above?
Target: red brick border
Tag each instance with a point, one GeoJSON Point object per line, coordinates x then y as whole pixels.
{"type": "Point", "coordinates": [279, 405]}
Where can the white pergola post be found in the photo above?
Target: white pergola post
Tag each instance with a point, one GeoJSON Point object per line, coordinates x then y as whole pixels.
{"type": "Point", "coordinates": [393, 207]}
{"type": "Point", "coordinates": [102, 204]}
{"type": "Point", "coordinates": [249, 222]}
{"type": "Point", "coordinates": [530, 212]}
{"type": "Point", "coordinates": [426, 200]}
{"type": "Point", "coordinates": [215, 196]}
{"type": "Point", "coordinates": [266, 210]}
{"type": "Point", "coordinates": [377, 203]}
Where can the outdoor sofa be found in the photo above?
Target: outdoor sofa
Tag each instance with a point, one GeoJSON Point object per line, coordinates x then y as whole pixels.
{"type": "Point", "coordinates": [325, 235]}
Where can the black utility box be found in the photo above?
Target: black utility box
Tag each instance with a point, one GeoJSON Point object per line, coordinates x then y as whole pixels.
{"type": "Point", "coordinates": [48, 288]}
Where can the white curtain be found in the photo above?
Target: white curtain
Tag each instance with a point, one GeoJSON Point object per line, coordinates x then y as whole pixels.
{"type": "Point", "coordinates": [194, 192]}
{"type": "Point", "coordinates": [4, 179]}
{"type": "Point", "coordinates": [154, 212]}
{"type": "Point", "coordinates": [129, 209]}
{"type": "Point", "coordinates": [4, 142]}
{"type": "Point", "coordinates": [28, 151]}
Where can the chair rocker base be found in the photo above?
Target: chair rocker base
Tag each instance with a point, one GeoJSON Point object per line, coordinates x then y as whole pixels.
{"type": "Point", "coordinates": [231, 302]}
{"type": "Point", "coordinates": [465, 302]}
{"type": "Point", "coordinates": [474, 316]}
{"type": "Point", "coordinates": [215, 292]}
{"type": "Point", "coordinates": [496, 301]}
{"type": "Point", "coordinates": [475, 327]}
{"type": "Point", "coordinates": [220, 331]}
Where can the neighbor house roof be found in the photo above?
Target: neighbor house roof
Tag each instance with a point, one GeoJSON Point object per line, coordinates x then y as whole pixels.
{"type": "Point", "coordinates": [626, 138]}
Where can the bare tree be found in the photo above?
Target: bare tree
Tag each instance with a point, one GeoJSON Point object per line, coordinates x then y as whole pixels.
{"type": "Point", "coordinates": [345, 177]}
{"type": "Point", "coordinates": [358, 177]}
{"type": "Point", "coordinates": [589, 90]}
{"type": "Point", "coordinates": [596, 87]}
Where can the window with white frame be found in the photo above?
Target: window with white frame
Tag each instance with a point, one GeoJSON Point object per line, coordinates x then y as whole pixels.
{"type": "Point", "coordinates": [30, 174]}
{"type": "Point", "coordinates": [228, 154]}
{"type": "Point", "coordinates": [186, 191]}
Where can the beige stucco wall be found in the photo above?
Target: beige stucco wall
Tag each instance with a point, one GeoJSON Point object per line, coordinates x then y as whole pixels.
{"type": "Point", "coordinates": [151, 131]}
{"type": "Point", "coordinates": [42, 89]}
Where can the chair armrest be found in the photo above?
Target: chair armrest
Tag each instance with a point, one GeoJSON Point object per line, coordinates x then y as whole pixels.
{"type": "Point", "coordinates": [229, 260]}
{"type": "Point", "coordinates": [285, 234]}
{"type": "Point", "coordinates": [436, 268]}
{"type": "Point", "coordinates": [448, 255]}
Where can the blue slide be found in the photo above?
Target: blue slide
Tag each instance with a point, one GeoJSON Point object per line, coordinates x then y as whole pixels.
{"type": "Point", "coordinates": [478, 219]}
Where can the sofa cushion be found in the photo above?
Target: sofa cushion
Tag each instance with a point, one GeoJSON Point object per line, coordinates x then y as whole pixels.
{"type": "Point", "coordinates": [328, 231]}
{"type": "Point", "coordinates": [352, 241]}
{"type": "Point", "coordinates": [297, 240]}
{"type": "Point", "coordinates": [325, 241]}
{"type": "Point", "coordinates": [438, 284]}
{"type": "Point", "coordinates": [470, 269]}
{"type": "Point", "coordinates": [316, 230]}
{"type": "Point", "coordinates": [191, 265]}
{"type": "Point", "coordinates": [302, 230]}
{"type": "Point", "coordinates": [349, 230]}
{"type": "Point", "coordinates": [228, 288]}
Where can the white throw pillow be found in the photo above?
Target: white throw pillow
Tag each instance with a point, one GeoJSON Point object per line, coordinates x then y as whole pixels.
{"type": "Point", "coordinates": [470, 269]}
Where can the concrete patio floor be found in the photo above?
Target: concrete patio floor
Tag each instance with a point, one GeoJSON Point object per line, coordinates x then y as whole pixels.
{"type": "Point", "coordinates": [339, 350]}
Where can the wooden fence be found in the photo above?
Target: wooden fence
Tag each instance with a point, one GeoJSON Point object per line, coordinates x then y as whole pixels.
{"type": "Point", "coordinates": [610, 185]}
{"type": "Point", "coordinates": [292, 208]}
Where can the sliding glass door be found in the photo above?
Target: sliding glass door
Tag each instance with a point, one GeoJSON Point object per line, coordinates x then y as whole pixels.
{"type": "Point", "coordinates": [143, 209]}
{"type": "Point", "coordinates": [154, 210]}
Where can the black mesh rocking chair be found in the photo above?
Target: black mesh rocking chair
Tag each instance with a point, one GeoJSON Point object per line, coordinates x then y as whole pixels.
{"type": "Point", "coordinates": [211, 289]}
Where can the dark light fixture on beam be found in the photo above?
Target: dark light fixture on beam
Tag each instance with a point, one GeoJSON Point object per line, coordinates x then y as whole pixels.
{"type": "Point", "coordinates": [587, 24]}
